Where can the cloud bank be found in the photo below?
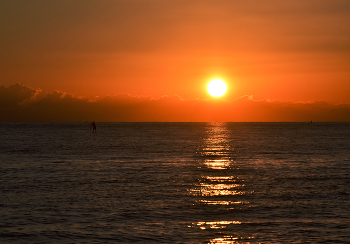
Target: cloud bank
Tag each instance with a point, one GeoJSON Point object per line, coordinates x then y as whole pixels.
{"type": "Point", "coordinates": [21, 103]}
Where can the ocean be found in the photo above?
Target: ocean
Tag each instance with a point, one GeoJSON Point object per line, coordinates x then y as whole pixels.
{"type": "Point", "coordinates": [175, 183]}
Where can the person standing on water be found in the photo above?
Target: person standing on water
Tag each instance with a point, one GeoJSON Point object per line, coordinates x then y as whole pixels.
{"type": "Point", "coordinates": [93, 125]}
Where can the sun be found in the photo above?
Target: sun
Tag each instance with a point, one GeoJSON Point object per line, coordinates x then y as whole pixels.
{"type": "Point", "coordinates": [217, 88]}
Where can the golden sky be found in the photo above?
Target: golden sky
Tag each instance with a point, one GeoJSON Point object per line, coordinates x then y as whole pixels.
{"type": "Point", "coordinates": [273, 52]}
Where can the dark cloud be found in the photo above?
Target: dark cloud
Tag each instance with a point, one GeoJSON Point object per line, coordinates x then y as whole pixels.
{"type": "Point", "coordinates": [15, 95]}
{"type": "Point", "coordinates": [20, 103]}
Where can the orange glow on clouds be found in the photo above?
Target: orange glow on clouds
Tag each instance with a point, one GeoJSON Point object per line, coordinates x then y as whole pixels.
{"type": "Point", "coordinates": [22, 103]}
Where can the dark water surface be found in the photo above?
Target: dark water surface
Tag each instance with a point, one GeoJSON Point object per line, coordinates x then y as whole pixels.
{"type": "Point", "coordinates": [175, 183]}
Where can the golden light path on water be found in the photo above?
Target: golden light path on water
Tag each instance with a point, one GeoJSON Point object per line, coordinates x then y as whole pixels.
{"type": "Point", "coordinates": [217, 163]}
{"type": "Point", "coordinates": [219, 189]}
{"type": "Point", "coordinates": [216, 224]}
{"type": "Point", "coordinates": [216, 187]}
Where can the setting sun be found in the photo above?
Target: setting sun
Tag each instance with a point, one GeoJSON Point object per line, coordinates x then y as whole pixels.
{"type": "Point", "coordinates": [217, 88]}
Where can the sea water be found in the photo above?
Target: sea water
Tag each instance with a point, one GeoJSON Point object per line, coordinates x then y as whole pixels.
{"type": "Point", "coordinates": [175, 183]}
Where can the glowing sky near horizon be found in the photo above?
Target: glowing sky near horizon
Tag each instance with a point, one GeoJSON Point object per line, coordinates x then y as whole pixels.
{"type": "Point", "coordinates": [276, 50]}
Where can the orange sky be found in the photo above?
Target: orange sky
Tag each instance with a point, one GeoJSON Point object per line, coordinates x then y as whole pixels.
{"type": "Point", "coordinates": [281, 51]}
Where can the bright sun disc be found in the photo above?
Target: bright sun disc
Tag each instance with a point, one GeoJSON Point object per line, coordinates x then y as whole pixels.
{"type": "Point", "coordinates": [217, 88]}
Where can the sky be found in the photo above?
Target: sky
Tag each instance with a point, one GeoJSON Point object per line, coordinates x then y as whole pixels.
{"type": "Point", "coordinates": [151, 60]}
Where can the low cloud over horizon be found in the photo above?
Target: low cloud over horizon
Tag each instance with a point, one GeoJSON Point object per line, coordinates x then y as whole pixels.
{"type": "Point", "coordinates": [21, 103]}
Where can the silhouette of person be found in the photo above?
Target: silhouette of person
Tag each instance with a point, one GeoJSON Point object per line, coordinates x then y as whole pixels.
{"type": "Point", "coordinates": [93, 125]}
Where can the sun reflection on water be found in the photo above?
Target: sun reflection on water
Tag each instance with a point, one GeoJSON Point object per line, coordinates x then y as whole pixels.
{"type": "Point", "coordinates": [221, 178]}
{"type": "Point", "coordinates": [224, 240]}
{"type": "Point", "coordinates": [214, 224]}
{"type": "Point", "coordinates": [218, 186]}
{"type": "Point", "coordinates": [219, 202]}
{"type": "Point", "coordinates": [217, 163]}
{"type": "Point", "coordinates": [228, 240]}
{"type": "Point", "coordinates": [219, 189]}
{"type": "Point", "coordinates": [216, 148]}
